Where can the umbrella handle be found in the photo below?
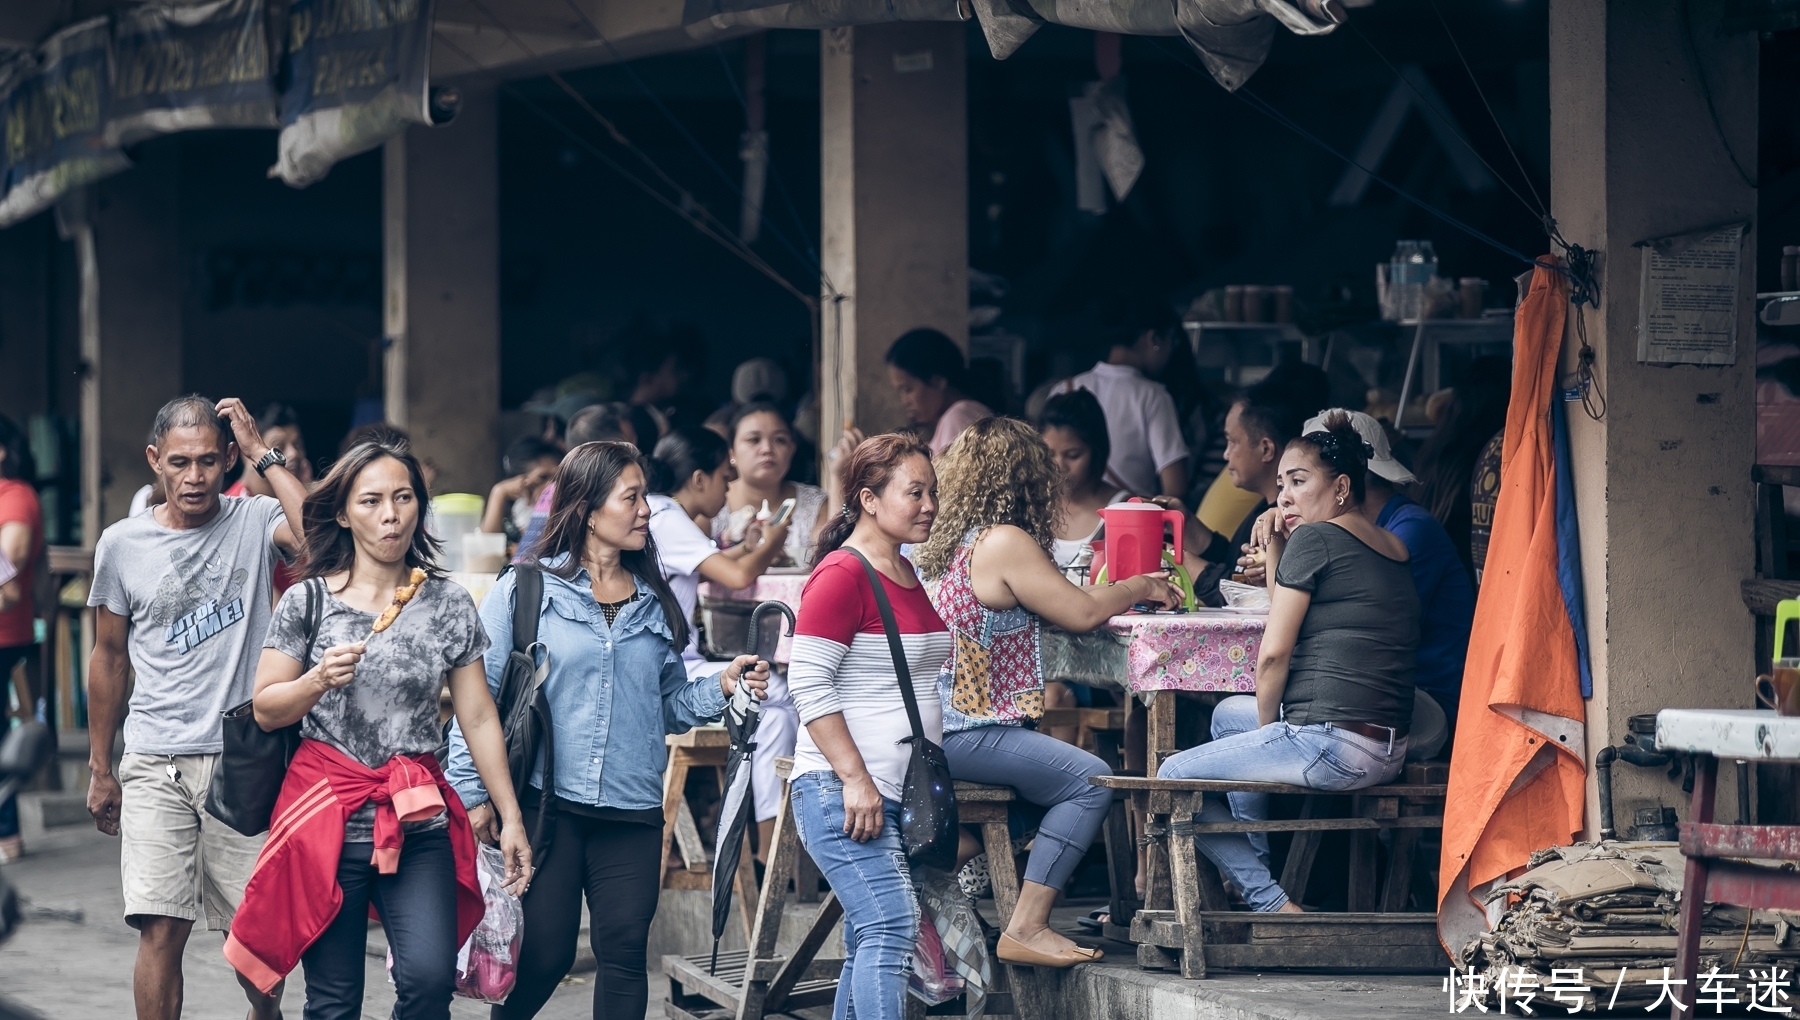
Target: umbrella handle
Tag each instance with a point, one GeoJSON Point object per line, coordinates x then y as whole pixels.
{"type": "Point", "coordinates": [756, 617]}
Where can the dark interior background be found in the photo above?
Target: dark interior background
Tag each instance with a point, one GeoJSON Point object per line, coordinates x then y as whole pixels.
{"type": "Point", "coordinates": [283, 289]}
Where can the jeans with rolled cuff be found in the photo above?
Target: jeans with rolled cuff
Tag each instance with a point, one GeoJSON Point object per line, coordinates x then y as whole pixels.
{"type": "Point", "coordinates": [1322, 756]}
{"type": "Point", "coordinates": [1044, 771]}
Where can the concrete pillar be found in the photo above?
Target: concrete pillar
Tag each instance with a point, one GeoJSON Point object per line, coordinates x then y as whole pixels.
{"type": "Point", "coordinates": [127, 236]}
{"type": "Point", "coordinates": [894, 206]}
{"type": "Point", "coordinates": [1663, 480]}
{"type": "Point", "coordinates": [441, 232]}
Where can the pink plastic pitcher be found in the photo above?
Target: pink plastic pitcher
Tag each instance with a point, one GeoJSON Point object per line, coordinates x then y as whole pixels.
{"type": "Point", "coordinates": [1134, 537]}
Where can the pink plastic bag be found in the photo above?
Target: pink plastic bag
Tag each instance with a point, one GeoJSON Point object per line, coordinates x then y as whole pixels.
{"type": "Point", "coordinates": [932, 978]}
{"type": "Point", "coordinates": [487, 965]}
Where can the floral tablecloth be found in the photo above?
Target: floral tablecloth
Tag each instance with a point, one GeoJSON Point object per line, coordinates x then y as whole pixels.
{"type": "Point", "coordinates": [775, 586]}
{"type": "Point", "coordinates": [1206, 650]}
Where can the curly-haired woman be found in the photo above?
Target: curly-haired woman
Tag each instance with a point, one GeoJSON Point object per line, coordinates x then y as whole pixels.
{"type": "Point", "coordinates": [994, 583]}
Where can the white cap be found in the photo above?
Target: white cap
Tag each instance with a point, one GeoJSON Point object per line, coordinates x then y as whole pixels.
{"type": "Point", "coordinates": [1383, 462]}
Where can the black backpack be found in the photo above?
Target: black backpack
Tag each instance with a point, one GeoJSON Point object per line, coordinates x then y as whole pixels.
{"type": "Point", "coordinates": [523, 703]}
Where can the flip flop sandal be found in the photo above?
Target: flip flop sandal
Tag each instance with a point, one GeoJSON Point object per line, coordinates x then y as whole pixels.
{"type": "Point", "coordinates": [1096, 920]}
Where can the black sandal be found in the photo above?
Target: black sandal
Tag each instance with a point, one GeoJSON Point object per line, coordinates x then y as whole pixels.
{"type": "Point", "coordinates": [1096, 920]}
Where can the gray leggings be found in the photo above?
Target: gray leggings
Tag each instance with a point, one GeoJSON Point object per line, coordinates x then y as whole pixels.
{"type": "Point", "coordinates": [1047, 772]}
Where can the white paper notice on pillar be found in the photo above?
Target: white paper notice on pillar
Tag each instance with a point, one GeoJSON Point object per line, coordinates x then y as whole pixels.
{"type": "Point", "coordinates": [1688, 297]}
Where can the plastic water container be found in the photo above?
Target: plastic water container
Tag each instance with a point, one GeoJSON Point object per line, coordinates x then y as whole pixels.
{"type": "Point", "coordinates": [1413, 265]}
{"type": "Point", "coordinates": [484, 552]}
{"type": "Point", "coordinates": [453, 515]}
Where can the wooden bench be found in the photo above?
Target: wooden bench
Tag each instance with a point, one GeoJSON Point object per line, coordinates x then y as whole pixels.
{"type": "Point", "coordinates": [751, 985]}
{"type": "Point", "coordinates": [702, 747]}
{"type": "Point", "coordinates": [1187, 920]}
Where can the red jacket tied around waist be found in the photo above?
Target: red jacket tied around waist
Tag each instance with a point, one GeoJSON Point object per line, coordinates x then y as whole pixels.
{"type": "Point", "coordinates": [282, 912]}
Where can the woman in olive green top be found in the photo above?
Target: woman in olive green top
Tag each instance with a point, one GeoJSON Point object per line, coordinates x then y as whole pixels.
{"type": "Point", "coordinates": [1334, 678]}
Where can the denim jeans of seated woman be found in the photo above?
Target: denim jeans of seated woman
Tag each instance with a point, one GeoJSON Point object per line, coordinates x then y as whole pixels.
{"type": "Point", "coordinates": [1322, 756]}
{"type": "Point", "coordinates": [874, 883]}
{"type": "Point", "coordinates": [1046, 772]}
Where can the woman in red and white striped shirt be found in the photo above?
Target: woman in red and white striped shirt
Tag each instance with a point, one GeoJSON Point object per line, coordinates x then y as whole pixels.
{"type": "Point", "coordinates": [849, 764]}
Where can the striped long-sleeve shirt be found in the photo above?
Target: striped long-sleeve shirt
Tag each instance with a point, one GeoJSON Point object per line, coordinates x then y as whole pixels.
{"type": "Point", "coordinates": [841, 663]}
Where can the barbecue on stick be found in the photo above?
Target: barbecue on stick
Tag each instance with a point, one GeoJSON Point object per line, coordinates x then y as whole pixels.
{"type": "Point", "coordinates": [401, 597]}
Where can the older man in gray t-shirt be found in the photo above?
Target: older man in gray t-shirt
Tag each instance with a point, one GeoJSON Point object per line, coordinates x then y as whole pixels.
{"type": "Point", "coordinates": [182, 593]}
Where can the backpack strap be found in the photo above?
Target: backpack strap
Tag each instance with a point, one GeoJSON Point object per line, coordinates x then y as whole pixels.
{"type": "Point", "coordinates": [528, 602]}
{"type": "Point", "coordinates": [315, 616]}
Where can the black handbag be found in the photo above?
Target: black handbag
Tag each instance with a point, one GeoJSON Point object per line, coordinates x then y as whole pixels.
{"type": "Point", "coordinates": [254, 762]}
{"type": "Point", "coordinates": [928, 825]}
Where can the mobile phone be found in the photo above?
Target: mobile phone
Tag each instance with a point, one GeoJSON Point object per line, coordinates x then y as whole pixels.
{"type": "Point", "coordinates": [783, 512]}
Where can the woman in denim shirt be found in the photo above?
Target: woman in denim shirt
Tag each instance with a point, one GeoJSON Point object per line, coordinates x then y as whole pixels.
{"type": "Point", "coordinates": [616, 685]}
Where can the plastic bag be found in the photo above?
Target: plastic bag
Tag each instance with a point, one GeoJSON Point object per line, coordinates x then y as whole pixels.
{"type": "Point", "coordinates": [487, 964]}
{"type": "Point", "coordinates": [1244, 596]}
{"type": "Point", "coordinates": [933, 979]}
{"type": "Point", "coordinates": [950, 958]}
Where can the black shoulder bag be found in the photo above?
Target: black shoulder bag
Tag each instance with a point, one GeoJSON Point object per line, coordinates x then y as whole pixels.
{"type": "Point", "coordinates": [254, 762]}
{"type": "Point", "coordinates": [523, 704]}
{"type": "Point", "coordinates": [928, 826]}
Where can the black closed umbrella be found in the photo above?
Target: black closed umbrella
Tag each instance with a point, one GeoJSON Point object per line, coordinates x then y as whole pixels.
{"type": "Point", "coordinates": [741, 718]}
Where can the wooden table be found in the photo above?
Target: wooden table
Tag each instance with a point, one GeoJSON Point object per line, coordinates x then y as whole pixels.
{"type": "Point", "coordinates": [1207, 650]}
{"type": "Point", "coordinates": [1716, 870]}
{"type": "Point", "coordinates": [1155, 656]}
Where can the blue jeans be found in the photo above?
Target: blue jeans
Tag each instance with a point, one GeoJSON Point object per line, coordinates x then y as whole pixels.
{"type": "Point", "coordinates": [417, 905]}
{"type": "Point", "coordinates": [1047, 772]}
{"type": "Point", "coordinates": [874, 883]}
{"type": "Point", "coordinates": [1322, 756]}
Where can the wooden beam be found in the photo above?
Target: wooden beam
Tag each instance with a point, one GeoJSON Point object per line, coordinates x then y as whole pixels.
{"type": "Point", "coordinates": [1760, 594]}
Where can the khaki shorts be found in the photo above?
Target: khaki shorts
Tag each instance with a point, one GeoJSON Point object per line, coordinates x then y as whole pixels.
{"type": "Point", "coordinates": [173, 856]}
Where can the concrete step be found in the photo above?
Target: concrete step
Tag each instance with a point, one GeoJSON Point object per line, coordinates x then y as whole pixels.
{"type": "Point", "coordinates": [44, 811]}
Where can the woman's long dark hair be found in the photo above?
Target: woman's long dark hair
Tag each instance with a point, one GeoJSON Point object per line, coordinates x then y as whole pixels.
{"type": "Point", "coordinates": [1447, 460]}
{"type": "Point", "coordinates": [586, 480]}
{"type": "Point", "coordinates": [927, 354]}
{"type": "Point", "coordinates": [682, 452]}
{"type": "Point", "coordinates": [1080, 413]}
{"type": "Point", "coordinates": [871, 466]}
{"type": "Point", "coordinates": [330, 548]}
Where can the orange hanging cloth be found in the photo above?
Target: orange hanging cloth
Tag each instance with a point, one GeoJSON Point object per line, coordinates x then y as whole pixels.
{"type": "Point", "coordinates": [1518, 771]}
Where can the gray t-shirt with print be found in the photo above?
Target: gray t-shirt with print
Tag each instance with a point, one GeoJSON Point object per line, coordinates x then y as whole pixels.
{"type": "Point", "coordinates": [198, 604]}
{"type": "Point", "coordinates": [391, 708]}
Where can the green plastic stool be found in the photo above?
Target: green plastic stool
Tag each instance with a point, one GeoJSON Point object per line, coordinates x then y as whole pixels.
{"type": "Point", "coordinates": [1786, 610]}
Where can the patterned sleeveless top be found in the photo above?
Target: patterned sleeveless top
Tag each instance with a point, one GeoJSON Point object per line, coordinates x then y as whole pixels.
{"type": "Point", "coordinates": [995, 673]}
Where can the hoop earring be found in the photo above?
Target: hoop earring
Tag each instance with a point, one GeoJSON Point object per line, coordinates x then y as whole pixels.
{"type": "Point", "coordinates": [1340, 501]}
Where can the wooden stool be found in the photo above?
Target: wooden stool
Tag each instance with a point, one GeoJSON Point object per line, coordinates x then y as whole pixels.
{"type": "Point", "coordinates": [751, 985]}
{"type": "Point", "coordinates": [1202, 931]}
{"type": "Point", "coordinates": [703, 747]}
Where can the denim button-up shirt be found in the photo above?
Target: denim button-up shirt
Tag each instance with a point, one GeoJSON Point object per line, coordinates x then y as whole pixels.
{"type": "Point", "coordinates": [614, 692]}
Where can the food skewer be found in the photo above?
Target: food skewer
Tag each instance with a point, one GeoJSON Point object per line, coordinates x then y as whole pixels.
{"type": "Point", "coordinates": [402, 596]}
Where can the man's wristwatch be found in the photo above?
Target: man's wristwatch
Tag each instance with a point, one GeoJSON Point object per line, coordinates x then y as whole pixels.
{"type": "Point", "coordinates": [270, 459]}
